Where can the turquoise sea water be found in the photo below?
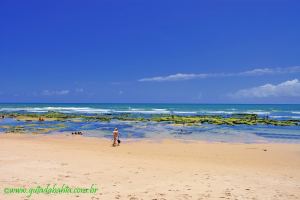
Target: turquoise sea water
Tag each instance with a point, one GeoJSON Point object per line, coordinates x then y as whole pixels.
{"type": "Point", "coordinates": [240, 133]}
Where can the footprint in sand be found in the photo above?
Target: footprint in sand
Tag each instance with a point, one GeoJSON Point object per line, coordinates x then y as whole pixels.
{"type": "Point", "coordinates": [132, 197]}
{"type": "Point", "coordinates": [186, 196]}
{"type": "Point", "coordinates": [228, 192]}
{"type": "Point", "coordinates": [63, 164]}
{"type": "Point", "coordinates": [188, 187]}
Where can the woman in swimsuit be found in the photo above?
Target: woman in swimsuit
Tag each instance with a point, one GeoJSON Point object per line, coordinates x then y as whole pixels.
{"type": "Point", "coordinates": [116, 135]}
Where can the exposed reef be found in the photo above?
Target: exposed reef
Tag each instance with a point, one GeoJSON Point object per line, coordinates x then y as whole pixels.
{"type": "Point", "coordinates": [36, 120]}
{"type": "Point", "coordinates": [241, 119]}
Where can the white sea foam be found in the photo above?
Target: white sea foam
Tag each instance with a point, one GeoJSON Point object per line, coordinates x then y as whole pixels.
{"type": "Point", "coordinates": [58, 109]}
{"type": "Point", "coordinates": [296, 112]}
{"type": "Point", "coordinates": [235, 112]}
{"type": "Point", "coordinates": [279, 116]}
{"type": "Point", "coordinates": [88, 110]}
{"type": "Point", "coordinates": [159, 109]}
{"type": "Point", "coordinates": [184, 112]}
{"type": "Point", "coordinates": [134, 109]}
{"type": "Point", "coordinates": [141, 111]}
{"type": "Point", "coordinates": [258, 112]}
{"type": "Point", "coordinates": [218, 112]}
{"type": "Point", "coordinates": [286, 116]}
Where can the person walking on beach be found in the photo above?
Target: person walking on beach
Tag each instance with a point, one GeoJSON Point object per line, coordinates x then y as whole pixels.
{"type": "Point", "coordinates": [116, 137]}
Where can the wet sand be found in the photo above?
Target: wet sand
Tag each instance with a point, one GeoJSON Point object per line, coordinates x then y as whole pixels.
{"type": "Point", "coordinates": [168, 169]}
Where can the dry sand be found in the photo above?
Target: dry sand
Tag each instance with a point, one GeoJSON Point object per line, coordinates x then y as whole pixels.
{"type": "Point", "coordinates": [149, 169]}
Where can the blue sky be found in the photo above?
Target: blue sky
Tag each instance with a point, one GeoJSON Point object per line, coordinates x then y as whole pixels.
{"type": "Point", "coordinates": [212, 51]}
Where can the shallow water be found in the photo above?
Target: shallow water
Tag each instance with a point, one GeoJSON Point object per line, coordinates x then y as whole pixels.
{"type": "Point", "coordinates": [140, 130]}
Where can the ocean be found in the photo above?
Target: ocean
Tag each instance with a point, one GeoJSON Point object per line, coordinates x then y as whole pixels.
{"type": "Point", "coordinates": [141, 130]}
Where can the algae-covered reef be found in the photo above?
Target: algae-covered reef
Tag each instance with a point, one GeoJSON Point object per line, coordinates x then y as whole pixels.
{"type": "Point", "coordinates": [54, 116]}
{"type": "Point", "coordinates": [240, 119]}
{"type": "Point", "coordinates": [234, 119]}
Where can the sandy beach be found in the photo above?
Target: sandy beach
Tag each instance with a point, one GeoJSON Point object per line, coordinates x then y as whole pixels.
{"type": "Point", "coordinates": [168, 169]}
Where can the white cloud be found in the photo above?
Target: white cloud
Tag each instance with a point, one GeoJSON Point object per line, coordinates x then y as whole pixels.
{"type": "Point", "coordinates": [257, 72]}
{"type": "Point", "coordinates": [254, 72]}
{"type": "Point", "coordinates": [175, 77]}
{"type": "Point", "coordinates": [55, 92]}
{"type": "Point", "coordinates": [290, 88]}
{"type": "Point", "coordinates": [266, 71]}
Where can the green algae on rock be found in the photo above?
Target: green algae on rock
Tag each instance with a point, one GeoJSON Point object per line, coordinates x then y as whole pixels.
{"type": "Point", "coordinates": [237, 119]}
